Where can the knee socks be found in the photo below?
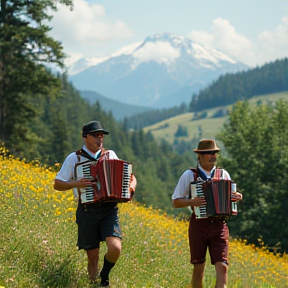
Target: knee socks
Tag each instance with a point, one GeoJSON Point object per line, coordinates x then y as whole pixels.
{"type": "Point", "coordinates": [106, 270]}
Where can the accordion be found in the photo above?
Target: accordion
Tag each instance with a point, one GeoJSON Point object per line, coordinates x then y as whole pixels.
{"type": "Point", "coordinates": [111, 179]}
{"type": "Point", "coordinates": [219, 197]}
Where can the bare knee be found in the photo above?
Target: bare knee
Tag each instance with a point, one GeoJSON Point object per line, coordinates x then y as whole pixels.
{"type": "Point", "coordinates": [114, 247]}
{"type": "Point", "coordinates": [221, 268]}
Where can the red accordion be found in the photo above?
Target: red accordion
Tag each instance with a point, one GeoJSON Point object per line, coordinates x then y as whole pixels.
{"type": "Point", "coordinates": [111, 177]}
{"type": "Point", "coordinates": [219, 198]}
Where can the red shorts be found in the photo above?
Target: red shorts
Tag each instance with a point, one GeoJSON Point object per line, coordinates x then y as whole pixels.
{"type": "Point", "coordinates": [211, 233]}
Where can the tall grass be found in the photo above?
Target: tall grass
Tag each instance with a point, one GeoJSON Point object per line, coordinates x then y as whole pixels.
{"type": "Point", "coordinates": [38, 242]}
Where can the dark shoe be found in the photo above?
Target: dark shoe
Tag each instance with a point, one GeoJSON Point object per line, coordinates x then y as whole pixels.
{"type": "Point", "coordinates": [104, 284]}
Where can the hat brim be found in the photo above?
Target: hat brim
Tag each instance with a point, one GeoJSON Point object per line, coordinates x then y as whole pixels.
{"type": "Point", "coordinates": [206, 150]}
{"type": "Point", "coordinates": [98, 131]}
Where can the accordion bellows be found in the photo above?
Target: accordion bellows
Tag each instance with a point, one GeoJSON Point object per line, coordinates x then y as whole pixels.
{"type": "Point", "coordinates": [111, 179]}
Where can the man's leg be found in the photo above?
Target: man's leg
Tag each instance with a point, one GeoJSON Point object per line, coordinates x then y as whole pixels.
{"type": "Point", "coordinates": [221, 274]}
{"type": "Point", "coordinates": [113, 253]}
{"type": "Point", "coordinates": [197, 276]}
{"type": "Point", "coordinates": [114, 246]}
{"type": "Point", "coordinates": [93, 258]}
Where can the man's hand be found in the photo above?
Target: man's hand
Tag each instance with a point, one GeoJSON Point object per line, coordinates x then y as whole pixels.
{"type": "Point", "coordinates": [236, 196]}
{"type": "Point", "coordinates": [82, 183]}
{"type": "Point", "coordinates": [198, 201]}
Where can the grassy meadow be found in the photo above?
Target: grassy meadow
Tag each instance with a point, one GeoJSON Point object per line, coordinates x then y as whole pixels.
{"type": "Point", "coordinates": [210, 126]}
{"type": "Point", "coordinates": [38, 241]}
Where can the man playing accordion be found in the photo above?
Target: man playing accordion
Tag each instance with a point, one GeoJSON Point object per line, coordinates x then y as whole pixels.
{"type": "Point", "coordinates": [97, 221]}
{"type": "Point", "coordinates": [206, 231]}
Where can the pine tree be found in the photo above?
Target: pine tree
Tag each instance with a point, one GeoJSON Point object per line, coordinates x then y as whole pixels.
{"type": "Point", "coordinates": [25, 51]}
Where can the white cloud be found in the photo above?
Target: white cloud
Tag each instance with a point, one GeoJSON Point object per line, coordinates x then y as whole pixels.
{"type": "Point", "coordinates": [274, 44]}
{"type": "Point", "coordinates": [269, 46]}
{"type": "Point", "coordinates": [224, 37]}
{"type": "Point", "coordinates": [162, 51]}
{"type": "Point", "coordinates": [82, 29]}
{"type": "Point", "coordinates": [88, 29]}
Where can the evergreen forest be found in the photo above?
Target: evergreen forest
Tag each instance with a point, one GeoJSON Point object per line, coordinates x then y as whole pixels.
{"type": "Point", "coordinates": [232, 87]}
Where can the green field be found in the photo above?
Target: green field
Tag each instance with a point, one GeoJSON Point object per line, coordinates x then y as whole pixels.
{"type": "Point", "coordinates": [209, 126]}
{"type": "Point", "coordinates": [38, 247]}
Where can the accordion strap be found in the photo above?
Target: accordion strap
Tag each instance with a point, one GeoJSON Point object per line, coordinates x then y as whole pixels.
{"type": "Point", "coordinates": [82, 152]}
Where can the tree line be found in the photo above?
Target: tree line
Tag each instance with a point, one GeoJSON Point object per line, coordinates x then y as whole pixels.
{"type": "Point", "coordinates": [232, 87]}
{"type": "Point", "coordinates": [151, 117]}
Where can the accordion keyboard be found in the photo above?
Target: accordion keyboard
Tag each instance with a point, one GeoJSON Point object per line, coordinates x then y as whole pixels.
{"type": "Point", "coordinates": [127, 170]}
{"type": "Point", "coordinates": [197, 191]}
{"type": "Point", "coordinates": [87, 192]}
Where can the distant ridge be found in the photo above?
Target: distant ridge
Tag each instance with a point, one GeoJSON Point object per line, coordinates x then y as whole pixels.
{"type": "Point", "coordinates": [118, 109]}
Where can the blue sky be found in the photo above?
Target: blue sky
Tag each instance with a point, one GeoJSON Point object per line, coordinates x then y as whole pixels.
{"type": "Point", "coordinates": [251, 31]}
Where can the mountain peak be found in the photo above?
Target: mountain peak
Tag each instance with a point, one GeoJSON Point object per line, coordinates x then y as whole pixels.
{"type": "Point", "coordinates": [160, 71]}
{"type": "Point", "coordinates": [163, 36]}
{"type": "Point", "coordinates": [184, 45]}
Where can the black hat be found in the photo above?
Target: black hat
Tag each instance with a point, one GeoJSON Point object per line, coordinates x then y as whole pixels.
{"type": "Point", "coordinates": [93, 126]}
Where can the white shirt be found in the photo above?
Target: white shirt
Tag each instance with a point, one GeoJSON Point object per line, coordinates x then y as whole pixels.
{"type": "Point", "coordinates": [66, 172]}
{"type": "Point", "coordinates": [182, 188]}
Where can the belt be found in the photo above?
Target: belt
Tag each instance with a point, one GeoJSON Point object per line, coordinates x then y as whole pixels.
{"type": "Point", "coordinates": [218, 218]}
{"type": "Point", "coordinates": [98, 207]}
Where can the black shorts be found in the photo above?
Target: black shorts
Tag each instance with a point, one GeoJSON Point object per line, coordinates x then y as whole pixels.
{"type": "Point", "coordinates": [95, 225]}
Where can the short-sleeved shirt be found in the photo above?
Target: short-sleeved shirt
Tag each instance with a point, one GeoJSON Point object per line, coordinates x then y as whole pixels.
{"type": "Point", "coordinates": [66, 172]}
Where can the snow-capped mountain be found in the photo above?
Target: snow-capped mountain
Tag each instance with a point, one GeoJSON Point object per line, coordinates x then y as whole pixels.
{"type": "Point", "coordinates": [160, 72]}
{"type": "Point", "coordinates": [85, 63]}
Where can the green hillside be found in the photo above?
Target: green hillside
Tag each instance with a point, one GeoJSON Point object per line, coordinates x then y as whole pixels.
{"type": "Point", "coordinates": [39, 246]}
{"type": "Point", "coordinates": [208, 126]}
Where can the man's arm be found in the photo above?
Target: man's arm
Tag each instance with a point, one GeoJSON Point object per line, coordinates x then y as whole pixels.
{"type": "Point", "coordinates": [184, 202]}
{"type": "Point", "coordinates": [61, 185]}
{"type": "Point", "coordinates": [180, 197]}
